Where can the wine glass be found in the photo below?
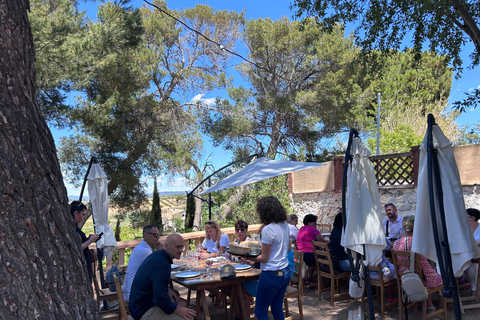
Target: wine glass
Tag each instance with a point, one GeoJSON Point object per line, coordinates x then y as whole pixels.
{"type": "Point", "coordinates": [208, 265]}
{"type": "Point", "coordinates": [190, 256]}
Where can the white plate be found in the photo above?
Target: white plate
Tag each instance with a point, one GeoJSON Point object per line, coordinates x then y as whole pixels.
{"type": "Point", "coordinates": [242, 266]}
{"type": "Point", "coordinates": [175, 266]}
{"type": "Point", "coordinates": [186, 275]}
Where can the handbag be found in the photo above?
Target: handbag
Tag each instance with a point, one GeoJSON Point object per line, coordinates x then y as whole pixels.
{"type": "Point", "coordinates": [356, 289]}
{"type": "Point", "coordinates": [413, 287]}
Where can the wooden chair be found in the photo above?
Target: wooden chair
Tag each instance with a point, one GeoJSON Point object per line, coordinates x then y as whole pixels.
{"type": "Point", "coordinates": [102, 294]}
{"type": "Point", "coordinates": [418, 269]}
{"type": "Point", "coordinates": [324, 227]}
{"type": "Point", "coordinates": [382, 284]}
{"type": "Point", "coordinates": [324, 261]}
{"type": "Point", "coordinates": [123, 309]}
{"type": "Point", "coordinates": [297, 292]}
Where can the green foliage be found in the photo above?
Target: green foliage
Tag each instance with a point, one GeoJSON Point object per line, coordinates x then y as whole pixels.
{"type": "Point", "coordinates": [442, 26]}
{"type": "Point", "coordinates": [139, 218]}
{"type": "Point", "coordinates": [303, 91]}
{"type": "Point", "coordinates": [410, 90]}
{"type": "Point", "coordinates": [190, 213]}
{"type": "Point", "coordinates": [118, 230]}
{"type": "Point", "coordinates": [400, 139]}
{"type": "Point", "coordinates": [133, 114]}
{"type": "Point", "coordinates": [246, 207]}
{"type": "Point", "coordinates": [156, 214]}
{"type": "Point", "coordinates": [469, 135]}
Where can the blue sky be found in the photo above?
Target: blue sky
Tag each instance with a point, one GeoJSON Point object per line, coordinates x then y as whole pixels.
{"type": "Point", "coordinates": [273, 9]}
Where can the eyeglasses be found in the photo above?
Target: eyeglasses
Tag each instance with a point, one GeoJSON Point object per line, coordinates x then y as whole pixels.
{"type": "Point", "coordinates": [154, 234]}
{"type": "Point", "coordinates": [241, 229]}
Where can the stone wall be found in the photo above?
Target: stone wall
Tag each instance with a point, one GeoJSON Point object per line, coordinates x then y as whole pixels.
{"type": "Point", "coordinates": [326, 205]}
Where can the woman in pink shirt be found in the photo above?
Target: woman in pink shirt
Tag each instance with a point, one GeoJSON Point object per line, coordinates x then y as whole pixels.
{"type": "Point", "coordinates": [306, 235]}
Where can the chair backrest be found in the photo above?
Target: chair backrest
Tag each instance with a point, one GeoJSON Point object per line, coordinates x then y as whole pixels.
{"type": "Point", "coordinates": [298, 272]}
{"type": "Point", "coordinates": [403, 264]}
{"type": "Point", "coordinates": [121, 302]}
{"type": "Point", "coordinates": [324, 227]}
{"type": "Point", "coordinates": [323, 256]}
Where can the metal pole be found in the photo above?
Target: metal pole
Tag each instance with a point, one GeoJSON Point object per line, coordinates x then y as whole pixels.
{"type": "Point", "coordinates": [92, 161]}
{"type": "Point", "coordinates": [209, 201]}
{"type": "Point", "coordinates": [378, 123]}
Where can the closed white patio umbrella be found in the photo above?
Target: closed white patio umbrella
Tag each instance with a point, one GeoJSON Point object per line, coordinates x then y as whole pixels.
{"type": "Point", "coordinates": [460, 239]}
{"type": "Point", "coordinates": [98, 194]}
{"type": "Point", "coordinates": [363, 231]}
{"type": "Point", "coordinates": [260, 169]}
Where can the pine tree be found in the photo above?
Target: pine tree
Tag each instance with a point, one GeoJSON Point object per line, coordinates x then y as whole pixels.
{"type": "Point", "coordinates": [156, 215]}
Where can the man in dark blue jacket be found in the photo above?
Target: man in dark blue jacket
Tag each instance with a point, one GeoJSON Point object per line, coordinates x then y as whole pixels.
{"type": "Point", "coordinates": [149, 296]}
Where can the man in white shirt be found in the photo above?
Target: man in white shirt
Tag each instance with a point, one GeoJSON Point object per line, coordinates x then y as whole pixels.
{"type": "Point", "coordinates": [140, 253]}
{"type": "Point", "coordinates": [392, 226]}
{"type": "Point", "coordinates": [293, 221]}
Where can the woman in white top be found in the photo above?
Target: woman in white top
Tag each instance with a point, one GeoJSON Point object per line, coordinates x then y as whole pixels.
{"type": "Point", "coordinates": [276, 271]}
{"type": "Point", "coordinates": [215, 240]}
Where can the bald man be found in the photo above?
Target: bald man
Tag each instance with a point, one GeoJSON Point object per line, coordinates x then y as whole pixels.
{"type": "Point", "coordinates": [150, 296]}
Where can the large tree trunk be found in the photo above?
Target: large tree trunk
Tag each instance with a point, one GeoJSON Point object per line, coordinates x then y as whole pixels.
{"type": "Point", "coordinates": [42, 271]}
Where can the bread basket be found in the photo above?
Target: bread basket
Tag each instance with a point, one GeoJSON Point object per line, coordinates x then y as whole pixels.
{"type": "Point", "coordinates": [238, 250]}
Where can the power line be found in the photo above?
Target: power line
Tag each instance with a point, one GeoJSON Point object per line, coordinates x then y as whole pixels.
{"type": "Point", "coordinates": [222, 47]}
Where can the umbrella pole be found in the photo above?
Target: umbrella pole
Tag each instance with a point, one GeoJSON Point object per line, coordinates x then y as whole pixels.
{"type": "Point", "coordinates": [444, 257]}
{"type": "Point", "coordinates": [92, 161]}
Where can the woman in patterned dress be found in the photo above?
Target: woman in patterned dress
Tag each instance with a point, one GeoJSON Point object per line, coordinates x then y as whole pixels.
{"type": "Point", "coordinates": [432, 278]}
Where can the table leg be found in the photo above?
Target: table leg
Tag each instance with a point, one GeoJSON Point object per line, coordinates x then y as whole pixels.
{"type": "Point", "coordinates": [233, 301]}
{"type": "Point", "coordinates": [197, 304]}
{"type": "Point", "coordinates": [204, 304]}
{"type": "Point", "coordinates": [245, 312]}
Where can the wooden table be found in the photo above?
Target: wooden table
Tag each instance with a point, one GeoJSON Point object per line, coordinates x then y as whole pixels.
{"type": "Point", "coordinates": [201, 286]}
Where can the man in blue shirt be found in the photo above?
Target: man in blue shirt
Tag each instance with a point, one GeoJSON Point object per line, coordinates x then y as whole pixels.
{"type": "Point", "coordinates": [150, 296]}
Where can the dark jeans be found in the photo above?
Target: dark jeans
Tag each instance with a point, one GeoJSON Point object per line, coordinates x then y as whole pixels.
{"type": "Point", "coordinates": [270, 292]}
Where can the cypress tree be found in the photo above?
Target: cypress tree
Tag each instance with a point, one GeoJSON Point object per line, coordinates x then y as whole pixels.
{"type": "Point", "coordinates": [156, 215]}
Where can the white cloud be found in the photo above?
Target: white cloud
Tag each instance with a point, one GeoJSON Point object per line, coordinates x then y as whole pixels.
{"type": "Point", "coordinates": [199, 98]}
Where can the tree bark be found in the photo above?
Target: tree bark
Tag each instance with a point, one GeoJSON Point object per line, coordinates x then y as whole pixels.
{"type": "Point", "coordinates": [42, 269]}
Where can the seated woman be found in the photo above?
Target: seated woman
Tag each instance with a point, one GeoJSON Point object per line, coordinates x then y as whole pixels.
{"type": "Point", "coordinates": [433, 279]}
{"type": "Point", "coordinates": [249, 288]}
{"type": "Point", "coordinates": [306, 235]}
{"type": "Point", "coordinates": [339, 256]}
{"type": "Point", "coordinates": [215, 240]}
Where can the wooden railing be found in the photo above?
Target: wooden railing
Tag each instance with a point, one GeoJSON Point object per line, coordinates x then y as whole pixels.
{"type": "Point", "coordinates": [195, 237]}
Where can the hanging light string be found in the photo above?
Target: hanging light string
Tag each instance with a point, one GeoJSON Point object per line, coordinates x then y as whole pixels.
{"type": "Point", "coordinates": [222, 47]}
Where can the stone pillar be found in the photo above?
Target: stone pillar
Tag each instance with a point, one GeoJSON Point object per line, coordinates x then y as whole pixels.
{"type": "Point", "coordinates": [338, 164]}
{"type": "Point", "coordinates": [290, 183]}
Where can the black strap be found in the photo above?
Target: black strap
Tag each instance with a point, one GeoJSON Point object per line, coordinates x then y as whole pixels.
{"type": "Point", "coordinates": [387, 226]}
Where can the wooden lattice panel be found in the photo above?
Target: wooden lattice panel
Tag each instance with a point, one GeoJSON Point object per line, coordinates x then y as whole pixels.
{"type": "Point", "coordinates": [394, 170]}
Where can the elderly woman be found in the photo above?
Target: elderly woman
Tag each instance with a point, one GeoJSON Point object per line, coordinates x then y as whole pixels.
{"type": "Point", "coordinates": [276, 271]}
{"type": "Point", "coordinates": [293, 221]}
{"type": "Point", "coordinates": [306, 235]}
{"type": "Point", "coordinates": [215, 239]}
{"type": "Point", "coordinates": [432, 278]}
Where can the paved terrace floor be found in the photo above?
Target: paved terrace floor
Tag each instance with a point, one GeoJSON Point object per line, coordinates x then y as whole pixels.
{"type": "Point", "coordinates": [315, 309]}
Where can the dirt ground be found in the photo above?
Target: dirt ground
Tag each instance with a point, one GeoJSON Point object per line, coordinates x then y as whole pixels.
{"type": "Point", "coordinates": [315, 309]}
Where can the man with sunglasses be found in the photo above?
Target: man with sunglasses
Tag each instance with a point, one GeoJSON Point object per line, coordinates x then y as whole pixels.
{"type": "Point", "coordinates": [151, 238]}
